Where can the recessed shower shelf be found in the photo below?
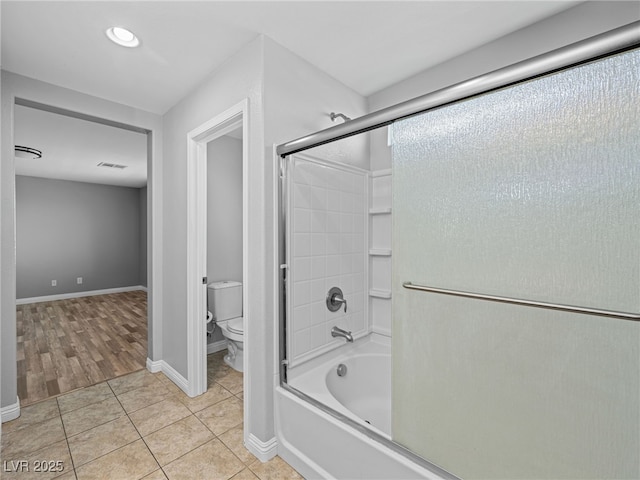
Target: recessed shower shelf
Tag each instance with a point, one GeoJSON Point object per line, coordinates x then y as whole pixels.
{"type": "Point", "coordinates": [379, 211]}
{"type": "Point", "coordinates": [380, 252]}
{"type": "Point", "coordinates": [377, 293]}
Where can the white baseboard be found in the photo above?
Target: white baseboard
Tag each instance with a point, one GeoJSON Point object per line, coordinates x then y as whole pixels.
{"type": "Point", "coordinates": [265, 451]}
{"type": "Point", "coordinates": [65, 296]}
{"type": "Point", "coordinates": [154, 366]}
{"type": "Point", "coordinates": [170, 372]}
{"type": "Point", "coordinates": [216, 346]}
{"type": "Point", "coordinates": [10, 412]}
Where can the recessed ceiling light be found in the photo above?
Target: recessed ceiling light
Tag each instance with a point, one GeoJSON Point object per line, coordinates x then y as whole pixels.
{"type": "Point", "coordinates": [123, 37]}
{"type": "Point", "coordinates": [27, 152]}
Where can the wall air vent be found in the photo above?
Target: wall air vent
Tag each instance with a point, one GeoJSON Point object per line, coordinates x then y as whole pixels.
{"type": "Point", "coordinates": [112, 165]}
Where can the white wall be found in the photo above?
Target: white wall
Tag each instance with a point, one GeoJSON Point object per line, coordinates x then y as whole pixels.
{"type": "Point", "coordinates": [16, 86]}
{"type": "Point", "coordinates": [288, 97]}
{"type": "Point", "coordinates": [240, 78]}
{"type": "Point", "coordinates": [298, 100]}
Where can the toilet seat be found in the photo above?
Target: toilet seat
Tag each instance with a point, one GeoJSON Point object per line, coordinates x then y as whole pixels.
{"type": "Point", "coordinates": [235, 325]}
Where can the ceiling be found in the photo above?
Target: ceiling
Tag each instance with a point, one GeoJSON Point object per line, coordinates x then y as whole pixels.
{"type": "Point", "coordinates": [72, 149]}
{"type": "Point", "coordinates": [367, 45]}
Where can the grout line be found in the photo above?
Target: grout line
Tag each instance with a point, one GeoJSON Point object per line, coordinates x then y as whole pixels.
{"type": "Point", "coordinates": [141, 437]}
{"type": "Point", "coordinates": [193, 414]}
{"type": "Point", "coordinates": [246, 465]}
{"type": "Point", "coordinates": [144, 441]}
{"type": "Point", "coordinates": [187, 453]}
{"type": "Point", "coordinates": [122, 446]}
{"type": "Point", "coordinates": [99, 424]}
{"type": "Point", "coordinates": [108, 453]}
{"type": "Point", "coordinates": [66, 438]}
{"type": "Point", "coordinates": [215, 437]}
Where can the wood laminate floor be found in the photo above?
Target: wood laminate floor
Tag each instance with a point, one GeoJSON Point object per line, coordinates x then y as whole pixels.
{"type": "Point", "coordinates": [68, 344]}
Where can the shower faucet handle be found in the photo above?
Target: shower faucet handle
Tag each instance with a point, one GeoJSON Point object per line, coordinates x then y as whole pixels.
{"type": "Point", "coordinates": [335, 300]}
{"type": "Point", "coordinates": [340, 301]}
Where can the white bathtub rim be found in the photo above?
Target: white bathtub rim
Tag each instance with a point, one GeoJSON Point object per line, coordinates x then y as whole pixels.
{"type": "Point", "coordinates": [409, 460]}
{"type": "Point", "coordinates": [370, 344]}
{"type": "Point", "coordinates": [336, 345]}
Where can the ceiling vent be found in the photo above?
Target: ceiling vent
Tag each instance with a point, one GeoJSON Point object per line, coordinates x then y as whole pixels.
{"type": "Point", "coordinates": [112, 165]}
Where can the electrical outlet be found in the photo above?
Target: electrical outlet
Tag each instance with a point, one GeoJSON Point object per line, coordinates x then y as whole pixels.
{"type": "Point", "coordinates": [54, 283]}
{"type": "Point", "coordinates": [79, 280]}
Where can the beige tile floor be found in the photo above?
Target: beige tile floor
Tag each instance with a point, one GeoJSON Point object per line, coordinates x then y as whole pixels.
{"type": "Point", "coordinates": [139, 426]}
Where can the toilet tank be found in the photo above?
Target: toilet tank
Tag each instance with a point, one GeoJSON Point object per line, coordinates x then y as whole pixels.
{"type": "Point", "coordinates": [225, 300]}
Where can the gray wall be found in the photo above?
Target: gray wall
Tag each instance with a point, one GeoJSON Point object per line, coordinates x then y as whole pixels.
{"type": "Point", "coordinates": [143, 236]}
{"type": "Point", "coordinates": [224, 209]}
{"type": "Point", "coordinates": [66, 230]}
{"type": "Point", "coordinates": [224, 213]}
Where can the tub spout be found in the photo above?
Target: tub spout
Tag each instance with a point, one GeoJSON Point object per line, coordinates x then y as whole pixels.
{"type": "Point", "coordinates": [338, 332]}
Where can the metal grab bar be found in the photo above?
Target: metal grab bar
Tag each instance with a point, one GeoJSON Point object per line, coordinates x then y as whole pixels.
{"type": "Point", "coordinates": [528, 303]}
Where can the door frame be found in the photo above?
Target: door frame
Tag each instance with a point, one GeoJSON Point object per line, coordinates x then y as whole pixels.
{"type": "Point", "coordinates": [28, 95]}
{"type": "Point", "coordinates": [197, 140]}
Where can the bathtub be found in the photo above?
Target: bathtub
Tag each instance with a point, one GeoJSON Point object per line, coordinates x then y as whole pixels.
{"type": "Point", "coordinates": [364, 389]}
{"type": "Point", "coordinates": [351, 439]}
{"type": "Point", "coordinates": [363, 393]}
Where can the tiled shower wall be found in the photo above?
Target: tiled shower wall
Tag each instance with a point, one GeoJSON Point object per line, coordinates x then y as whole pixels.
{"type": "Point", "coordinates": [380, 255]}
{"type": "Point", "coordinates": [327, 236]}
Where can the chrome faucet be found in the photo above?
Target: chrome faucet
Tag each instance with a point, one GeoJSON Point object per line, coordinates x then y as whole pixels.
{"type": "Point", "coordinates": [338, 332]}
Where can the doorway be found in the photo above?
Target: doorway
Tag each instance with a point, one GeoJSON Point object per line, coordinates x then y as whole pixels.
{"type": "Point", "coordinates": [232, 120]}
{"type": "Point", "coordinates": [81, 251]}
{"type": "Point", "coordinates": [224, 240]}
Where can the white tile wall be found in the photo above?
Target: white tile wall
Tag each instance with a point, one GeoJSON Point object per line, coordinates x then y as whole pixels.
{"type": "Point", "coordinates": [328, 236]}
{"type": "Point", "coordinates": [381, 189]}
{"type": "Point", "coordinates": [380, 238]}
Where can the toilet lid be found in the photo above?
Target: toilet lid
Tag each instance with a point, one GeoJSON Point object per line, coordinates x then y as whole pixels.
{"type": "Point", "coordinates": [235, 325]}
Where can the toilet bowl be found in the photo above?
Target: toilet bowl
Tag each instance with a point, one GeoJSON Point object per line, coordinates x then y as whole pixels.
{"type": "Point", "coordinates": [225, 306]}
{"type": "Point", "coordinates": [233, 331]}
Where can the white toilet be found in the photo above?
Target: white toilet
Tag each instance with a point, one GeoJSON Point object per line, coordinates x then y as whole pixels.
{"type": "Point", "coordinates": [225, 304]}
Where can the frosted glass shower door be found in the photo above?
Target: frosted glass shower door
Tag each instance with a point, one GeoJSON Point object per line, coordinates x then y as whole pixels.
{"type": "Point", "coordinates": [532, 192]}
